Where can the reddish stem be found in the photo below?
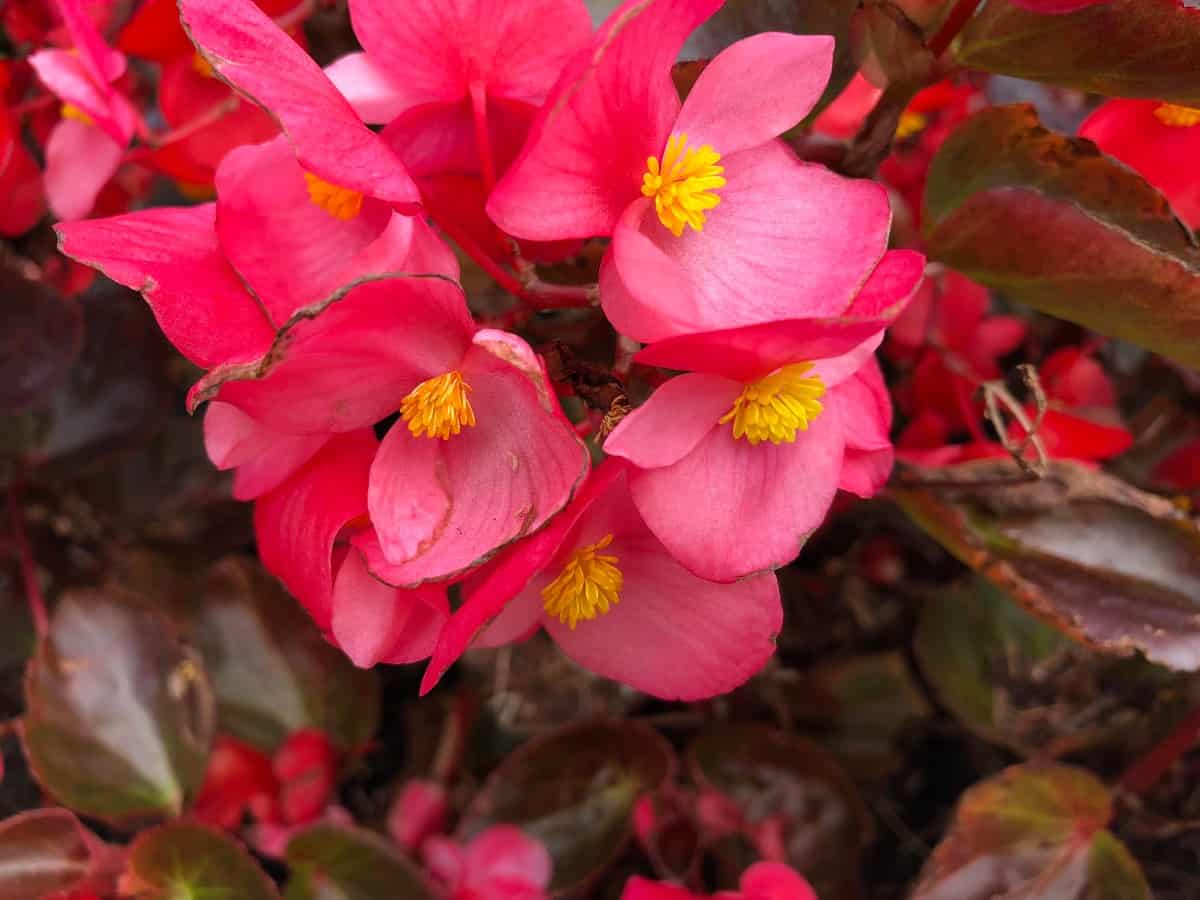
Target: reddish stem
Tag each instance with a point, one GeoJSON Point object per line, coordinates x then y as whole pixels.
{"type": "Point", "coordinates": [33, 591]}
{"type": "Point", "coordinates": [214, 113]}
{"type": "Point", "coordinates": [1151, 766]}
{"type": "Point", "coordinates": [959, 16]}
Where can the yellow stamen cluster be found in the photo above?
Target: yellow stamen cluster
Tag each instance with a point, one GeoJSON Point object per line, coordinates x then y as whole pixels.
{"type": "Point", "coordinates": [1177, 116]}
{"type": "Point", "coordinates": [71, 111]}
{"type": "Point", "coordinates": [683, 185]}
{"type": "Point", "coordinates": [339, 202]}
{"type": "Point", "coordinates": [774, 408]}
{"type": "Point", "coordinates": [201, 66]}
{"type": "Point", "coordinates": [588, 586]}
{"type": "Point", "coordinates": [438, 407]}
{"type": "Point", "coordinates": [910, 123]}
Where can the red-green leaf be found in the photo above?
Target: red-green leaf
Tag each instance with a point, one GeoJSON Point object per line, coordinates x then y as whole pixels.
{"type": "Point", "coordinates": [47, 850]}
{"type": "Point", "coordinates": [184, 861]}
{"type": "Point", "coordinates": [334, 862]}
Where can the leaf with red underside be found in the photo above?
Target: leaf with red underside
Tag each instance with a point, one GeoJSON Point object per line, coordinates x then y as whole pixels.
{"type": "Point", "coordinates": [272, 671]}
{"type": "Point", "coordinates": [1122, 48]}
{"type": "Point", "coordinates": [1107, 564]}
{"type": "Point", "coordinates": [574, 790]}
{"type": "Point", "coordinates": [184, 861]}
{"type": "Point", "coordinates": [41, 333]}
{"type": "Point", "coordinates": [1050, 221]}
{"type": "Point", "coordinates": [771, 774]}
{"type": "Point", "coordinates": [1036, 832]}
{"type": "Point", "coordinates": [335, 862]}
{"type": "Point", "coordinates": [44, 851]}
{"type": "Point", "coordinates": [120, 714]}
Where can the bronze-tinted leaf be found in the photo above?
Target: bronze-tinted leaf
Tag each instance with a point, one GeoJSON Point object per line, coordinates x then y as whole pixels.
{"type": "Point", "coordinates": [47, 850]}
{"type": "Point", "coordinates": [183, 860]}
{"type": "Point", "coordinates": [1051, 222]}
{"type": "Point", "coordinates": [120, 714]}
{"type": "Point", "coordinates": [41, 332]}
{"type": "Point", "coordinates": [574, 790]}
{"type": "Point", "coordinates": [334, 862]}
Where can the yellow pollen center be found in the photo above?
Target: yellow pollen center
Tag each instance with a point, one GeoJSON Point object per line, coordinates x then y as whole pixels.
{"type": "Point", "coordinates": [1177, 116]}
{"type": "Point", "coordinates": [588, 586]}
{"type": "Point", "coordinates": [339, 202]}
{"type": "Point", "coordinates": [201, 66]}
{"type": "Point", "coordinates": [71, 111]}
{"type": "Point", "coordinates": [776, 407]}
{"type": "Point", "coordinates": [438, 407]}
{"type": "Point", "coordinates": [910, 123]}
{"type": "Point", "coordinates": [684, 185]}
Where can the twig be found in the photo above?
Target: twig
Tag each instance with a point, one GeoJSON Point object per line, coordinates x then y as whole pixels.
{"type": "Point", "coordinates": [1150, 767]}
{"type": "Point", "coordinates": [995, 394]}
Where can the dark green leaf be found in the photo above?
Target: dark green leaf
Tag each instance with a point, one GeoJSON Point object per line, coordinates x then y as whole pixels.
{"type": "Point", "coordinates": [184, 861]}
{"type": "Point", "coordinates": [334, 862]}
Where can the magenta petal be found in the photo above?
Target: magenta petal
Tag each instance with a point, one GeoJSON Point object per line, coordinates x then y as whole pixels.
{"type": "Point", "coordinates": [505, 855]}
{"type": "Point", "coordinates": [103, 63]}
{"type": "Point", "coordinates": [611, 109]}
{"type": "Point", "coordinates": [890, 286]}
{"type": "Point", "coordinates": [371, 91]}
{"type": "Point", "coordinates": [80, 158]}
{"type": "Point", "coordinates": [263, 459]}
{"type": "Point", "coordinates": [297, 523]}
{"type": "Point", "coordinates": [290, 251]}
{"type": "Point", "coordinates": [729, 509]}
{"type": "Point", "coordinates": [256, 56]}
{"type": "Point", "coordinates": [755, 90]}
{"type": "Point", "coordinates": [171, 255]}
{"type": "Point", "coordinates": [673, 421]}
{"type": "Point", "coordinates": [866, 408]}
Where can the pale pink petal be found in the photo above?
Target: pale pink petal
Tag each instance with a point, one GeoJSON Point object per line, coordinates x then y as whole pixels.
{"type": "Point", "coordinates": [612, 108]}
{"type": "Point", "coordinates": [730, 509]}
{"type": "Point", "coordinates": [673, 421]}
{"type": "Point", "coordinates": [519, 619]}
{"type": "Point", "coordinates": [263, 458]}
{"type": "Point", "coordinates": [373, 622]}
{"type": "Point", "coordinates": [102, 61]}
{"type": "Point", "coordinates": [256, 56]}
{"type": "Point", "coordinates": [80, 158]}
{"type": "Point", "coordinates": [866, 408]}
{"type": "Point", "coordinates": [504, 853]}
{"type": "Point", "coordinates": [371, 91]}
{"type": "Point", "coordinates": [435, 50]}
{"type": "Point", "coordinates": [446, 859]}
{"type": "Point", "coordinates": [172, 256]}
{"type": "Point", "coordinates": [865, 472]}
{"type": "Point", "coordinates": [290, 251]}
{"type": "Point", "coordinates": [297, 523]}
{"type": "Point", "coordinates": [755, 90]}
{"type": "Point", "coordinates": [409, 496]}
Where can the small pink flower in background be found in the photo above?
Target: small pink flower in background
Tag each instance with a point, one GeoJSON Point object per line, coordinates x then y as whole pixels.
{"type": "Point", "coordinates": [501, 863]}
{"type": "Point", "coordinates": [86, 146]}
{"type": "Point", "coordinates": [419, 811]}
{"type": "Point", "coordinates": [616, 601]}
{"type": "Point", "coordinates": [20, 179]}
{"type": "Point", "coordinates": [705, 206]}
{"type": "Point", "coordinates": [762, 881]}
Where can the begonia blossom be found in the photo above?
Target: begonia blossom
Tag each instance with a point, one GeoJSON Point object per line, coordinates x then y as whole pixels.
{"type": "Point", "coordinates": [501, 863]}
{"type": "Point", "coordinates": [715, 222]}
{"type": "Point", "coordinates": [761, 881]}
{"type": "Point", "coordinates": [617, 602]}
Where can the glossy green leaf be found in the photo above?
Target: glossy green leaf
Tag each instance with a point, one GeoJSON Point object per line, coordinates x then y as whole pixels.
{"type": "Point", "coordinates": [1049, 221]}
{"type": "Point", "coordinates": [335, 862]}
{"type": "Point", "coordinates": [574, 790]}
{"type": "Point", "coordinates": [185, 861]}
{"type": "Point", "coordinates": [120, 713]}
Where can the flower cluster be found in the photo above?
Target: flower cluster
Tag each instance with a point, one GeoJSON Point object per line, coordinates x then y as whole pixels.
{"type": "Point", "coordinates": [395, 445]}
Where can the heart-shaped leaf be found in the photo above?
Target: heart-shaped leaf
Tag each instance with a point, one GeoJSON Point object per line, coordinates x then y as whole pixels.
{"type": "Point", "coordinates": [120, 714]}
{"type": "Point", "coordinates": [574, 790]}
{"type": "Point", "coordinates": [44, 851]}
{"type": "Point", "coordinates": [272, 671]}
{"type": "Point", "coordinates": [1122, 48]}
{"type": "Point", "coordinates": [1107, 564]}
{"type": "Point", "coordinates": [1036, 832]}
{"type": "Point", "coordinates": [335, 862]}
{"type": "Point", "coordinates": [185, 861]}
{"type": "Point", "coordinates": [1051, 222]}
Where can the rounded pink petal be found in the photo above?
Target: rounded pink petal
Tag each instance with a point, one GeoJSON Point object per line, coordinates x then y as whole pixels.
{"type": "Point", "coordinates": [172, 256]}
{"type": "Point", "coordinates": [66, 74]}
{"type": "Point", "coordinates": [375, 95]}
{"type": "Point", "coordinates": [774, 881]}
{"type": "Point", "coordinates": [263, 458]}
{"type": "Point", "coordinates": [612, 108]}
{"type": "Point", "coordinates": [638, 888]}
{"type": "Point", "coordinates": [251, 52]}
{"type": "Point", "coordinates": [890, 287]}
{"type": "Point", "coordinates": [102, 61]}
{"type": "Point", "coordinates": [730, 509]}
{"type": "Point", "coordinates": [755, 90]}
{"type": "Point", "coordinates": [505, 853]}
{"type": "Point", "coordinates": [673, 421]}
{"type": "Point", "coordinates": [80, 158]}
{"type": "Point", "coordinates": [409, 498]}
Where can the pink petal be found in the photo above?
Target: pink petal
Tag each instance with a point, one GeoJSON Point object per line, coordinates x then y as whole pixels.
{"type": "Point", "coordinates": [409, 497]}
{"type": "Point", "coordinates": [867, 408]}
{"type": "Point", "coordinates": [297, 523]}
{"type": "Point", "coordinates": [290, 251]}
{"type": "Point", "coordinates": [504, 478]}
{"type": "Point", "coordinates": [373, 622]}
{"type": "Point", "coordinates": [257, 57]}
{"type": "Point", "coordinates": [263, 459]}
{"type": "Point", "coordinates": [611, 109]}
{"type": "Point", "coordinates": [638, 888]}
{"type": "Point", "coordinates": [67, 75]}
{"type": "Point", "coordinates": [730, 509]}
{"type": "Point", "coordinates": [371, 91]}
{"type": "Point", "coordinates": [673, 421]}
{"type": "Point", "coordinates": [744, 268]}
{"type": "Point", "coordinates": [171, 255]}
{"type": "Point", "coordinates": [774, 881]}
{"type": "Point", "coordinates": [890, 287]}
{"type": "Point", "coordinates": [103, 63]}
{"type": "Point", "coordinates": [436, 49]}
{"type": "Point", "coordinates": [80, 158]}
{"type": "Point", "coordinates": [755, 90]}
{"type": "Point", "coordinates": [505, 853]}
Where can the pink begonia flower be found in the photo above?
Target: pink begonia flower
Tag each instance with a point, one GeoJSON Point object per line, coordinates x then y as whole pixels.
{"type": "Point", "coordinates": [462, 82]}
{"type": "Point", "coordinates": [739, 460]}
{"type": "Point", "coordinates": [715, 222]}
{"type": "Point", "coordinates": [262, 459]}
{"type": "Point", "coordinates": [419, 811]}
{"type": "Point", "coordinates": [762, 881]}
{"type": "Point", "coordinates": [501, 863]}
{"type": "Point", "coordinates": [617, 602]}
{"type": "Point", "coordinates": [85, 147]}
